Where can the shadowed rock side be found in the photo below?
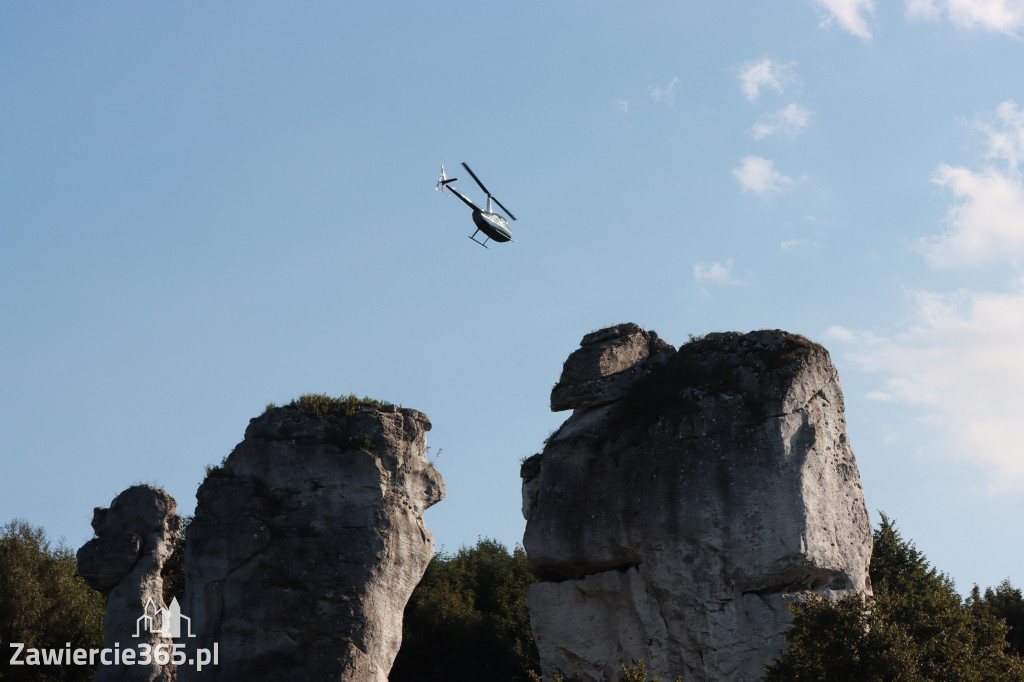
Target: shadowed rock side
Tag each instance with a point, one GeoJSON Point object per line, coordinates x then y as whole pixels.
{"type": "Point", "coordinates": [134, 537]}
{"type": "Point", "coordinates": [674, 520]}
{"type": "Point", "coordinates": [307, 544]}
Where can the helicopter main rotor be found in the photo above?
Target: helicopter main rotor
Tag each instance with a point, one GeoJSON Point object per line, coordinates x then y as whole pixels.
{"type": "Point", "coordinates": [489, 195]}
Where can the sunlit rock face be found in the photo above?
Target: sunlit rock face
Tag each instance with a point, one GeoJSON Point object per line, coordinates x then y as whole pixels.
{"type": "Point", "coordinates": [607, 362]}
{"type": "Point", "coordinates": [135, 535]}
{"type": "Point", "coordinates": [307, 544]}
{"type": "Point", "coordinates": [675, 520]}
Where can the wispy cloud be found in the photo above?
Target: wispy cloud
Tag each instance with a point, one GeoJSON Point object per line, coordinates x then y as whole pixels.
{"type": "Point", "coordinates": [622, 105]}
{"type": "Point", "coordinates": [849, 14]}
{"type": "Point", "coordinates": [715, 272]}
{"type": "Point", "coordinates": [788, 121]}
{"type": "Point", "coordinates": [758, 175]}
{"type": "Point", "coordinates": [665, 94]}
{"type": "Point", "coordinates": [1003, 16]}
{"type": "Point", "coordinates": [796, 245]}
{"type": "Point", "coordinates": [765, 73]}
{"type": "Point", "coordinates": [961, 361]}
{"type": "Point", "coordinates": [1005, 135]}
{"type": "Point", "coordinates": [986, 220]}
{"type": "Point", "coordinates": [922, 9]}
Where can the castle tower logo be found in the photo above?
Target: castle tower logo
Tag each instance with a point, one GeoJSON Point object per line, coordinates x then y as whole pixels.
{"type": "Point", "coordinates": [166, 622]}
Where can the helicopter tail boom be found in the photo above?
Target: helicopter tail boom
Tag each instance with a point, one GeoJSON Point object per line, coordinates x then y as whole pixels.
{"type": "Point", "coordinates": [460, 196]}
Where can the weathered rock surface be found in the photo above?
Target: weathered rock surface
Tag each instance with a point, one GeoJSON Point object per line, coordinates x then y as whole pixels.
{"type": "Point", "coordinates": [606, 364]}
{"type": "Point", "coordinates": [675, 523]}
{"type": "Point", "coordinates": [134, 537]}
{"type": "Point", "coordinates": [307, 544]}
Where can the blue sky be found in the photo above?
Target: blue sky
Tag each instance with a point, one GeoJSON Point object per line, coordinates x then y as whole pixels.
{"type": "Point", "coordinates": [207, 209]}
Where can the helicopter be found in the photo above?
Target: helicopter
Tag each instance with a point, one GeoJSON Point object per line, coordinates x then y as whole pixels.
{"type": "Point", "coordinates": [492, 224]}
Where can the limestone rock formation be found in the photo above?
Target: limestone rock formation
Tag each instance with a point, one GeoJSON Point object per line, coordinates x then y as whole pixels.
{"type": "Point", "coordinates": [676, 522]}
{"type": "Point", "coordinates": [134, 537]}
{"type": "Point", "coordinates": [307, 543]}
{"type": "Point", "coordinates": [607, 362]}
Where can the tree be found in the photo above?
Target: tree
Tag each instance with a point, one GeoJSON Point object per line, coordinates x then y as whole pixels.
{"type": "Point", "coordinates": [44, 604]}
{"type": "Point", "coordinates": [897, 567]}
{"type": "Point", "coordinates": [467, 619]}
{"type": "Point", "coordinates": [1005, 602]}
{"type": "Point", "coordinates": [916, 628]}
{"type": "Point", "coordinates": [844, 641]}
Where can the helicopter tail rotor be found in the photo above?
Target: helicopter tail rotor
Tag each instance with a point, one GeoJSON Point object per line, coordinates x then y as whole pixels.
{"type": "Point", "coordinates": [443, 181]}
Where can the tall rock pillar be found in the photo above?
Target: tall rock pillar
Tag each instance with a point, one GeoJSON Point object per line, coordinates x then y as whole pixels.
{"type": "Point", "coordinates": [308, 541]}
{"type": "Point", "coordinates": [134, 537]}
{"type": "Point", "coordinates": [691, 496]}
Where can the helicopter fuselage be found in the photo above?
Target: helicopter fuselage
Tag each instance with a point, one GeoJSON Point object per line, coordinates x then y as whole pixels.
{"type": "Point", "coordinates": [493, 225]}
{"type": "Point", "coordinates": [487, 221]}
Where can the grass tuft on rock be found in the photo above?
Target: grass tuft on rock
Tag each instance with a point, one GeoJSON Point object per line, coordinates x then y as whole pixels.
{"type": "Point", "coordinates": [323, 405]}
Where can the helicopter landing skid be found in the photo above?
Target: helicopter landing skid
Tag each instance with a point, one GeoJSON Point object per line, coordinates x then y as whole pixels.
{"type": "Point", "coordinates": [483, 243]}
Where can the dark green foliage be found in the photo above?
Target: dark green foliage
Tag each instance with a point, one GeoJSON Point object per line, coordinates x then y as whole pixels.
{"type": "Point", "coordinates": [467, 619]}
{"type": "Point", "coordinates": [173, 571]}
{"type": "Point", "coordinates": [336, 411]}
{"type": "Point", "coordinates": [897, 567]}
{"type": "Point", "coordinates": [44, 604]}
{"type": "Point", "coordinates": [323, 405]}
{"type": "Point", "coordinates": [1007, 603]}
{"type": "Point", "coordinates": [216, 470]}
{"type": "Point", "coordinates": [638, 673]}
{"type": "Point", "coordinates": [915, 629]}
{"type": "Point", "coordinates": [844, 641]}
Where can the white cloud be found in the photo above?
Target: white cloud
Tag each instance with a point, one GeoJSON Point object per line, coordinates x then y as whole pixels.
{"type": "Point", "coordinates": [1006, 138]}
{"type": "Point", "coordinates": [715, 272]}
{"type": "Point", "coordinates": [759, 176]}
{"type": "Point", "coordinates": [622, 105]}
{"type": "Point", "coordinates": [987, 219]}
{"type": "Point", "coordinates": [922, 9]}
{"type": "Point", "coordinates": [795, 244]}
{"type": "Point", "coordinates": [961, 359]}
{"type": "Point", "coordinates": [788, 121]}
{"type": "Point", "coordinates": [849, 14]}
{"type": "Point", "coordinates": [666, 94]}
{"type": "Point", "coordinates": [962, 363]}
{"type": "Point", "coordinates": [1003, 16]}
{"type": "Point", "coordinates": [764, 73]}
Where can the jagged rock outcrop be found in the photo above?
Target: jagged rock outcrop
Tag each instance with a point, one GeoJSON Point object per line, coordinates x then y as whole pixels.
{"type": "Point", "coordinates": [308, 541]}
{"type": "Point", "coordinates": [676, 521]}
{"type": "Point", "coordinates": [134, 537]}
{"type": "Point", "coordinates": [607, 363]}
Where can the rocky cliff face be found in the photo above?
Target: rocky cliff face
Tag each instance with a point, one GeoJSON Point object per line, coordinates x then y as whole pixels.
{"type": "Point", "coordinates": [134, 537]}
{"type": "Point", "coordinates": [308, 542]}
{"type": "Point", "coordinates": [689, 498]}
